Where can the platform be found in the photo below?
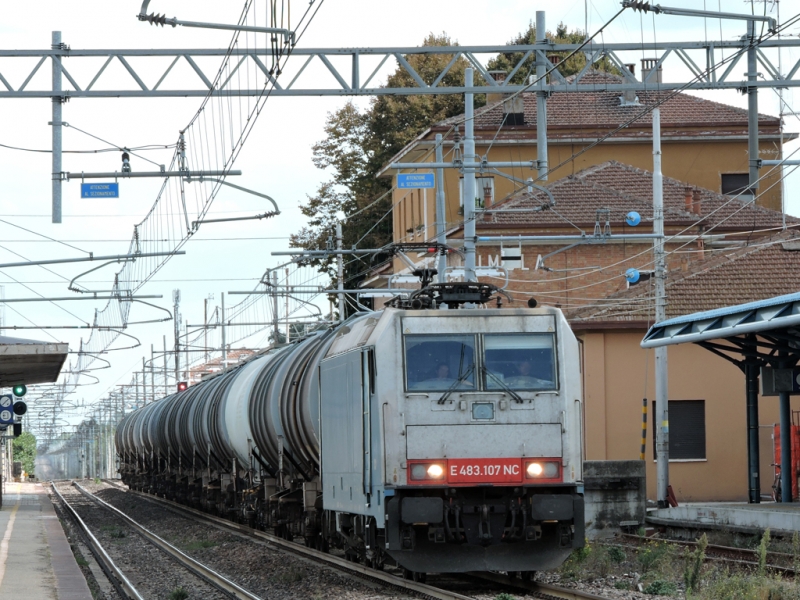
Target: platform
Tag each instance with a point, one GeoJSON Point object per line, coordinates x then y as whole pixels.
{"type": "Point", "coordinates": [781, 519]}
{"type": "Point", "coordinates": [36, 562]}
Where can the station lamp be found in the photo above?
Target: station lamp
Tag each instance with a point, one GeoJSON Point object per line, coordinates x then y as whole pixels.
{"type": "Point", "coordinates": [182, 386]}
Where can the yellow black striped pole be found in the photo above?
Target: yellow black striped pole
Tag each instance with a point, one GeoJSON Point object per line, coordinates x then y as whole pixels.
{"type": "Point", "coordinates": [644, 428]}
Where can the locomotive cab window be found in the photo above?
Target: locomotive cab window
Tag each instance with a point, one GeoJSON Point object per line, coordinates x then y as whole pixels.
{"type": "Point", "coordinates": [519, 362]}
{"type": "Point", "coordinates": [437, 363]}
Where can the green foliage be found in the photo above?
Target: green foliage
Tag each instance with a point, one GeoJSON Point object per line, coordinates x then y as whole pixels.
{"type": "Point", "coordinates": [691, 575]}
{"type": "Point", "coordinates": [727, 585]}
{"type": "Point", "coordinates": [617, 555]}
{"type": "Point", "coordinates": [358, 144]}
{"type": "Point", "coordinates": [179, 593]}
{"type": "Point", "coordinates": [796, 552]}
{"type": "Point", "coordinates": [651, 555]}
{"type": "Point", "coordinates": [622, 585]}
{"type": "Point", "coordinates": [659, 587]}
{"type": "Point", "coordinates": [574, 64]}
{"type": "Point", "coordinates": [25, 452]}
{"type": "Point", "coordinates": [504, 596]}
{"type": "Point", "coordinates": [763, 548]}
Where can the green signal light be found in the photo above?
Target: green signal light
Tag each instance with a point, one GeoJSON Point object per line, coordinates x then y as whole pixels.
{"type": "Point", "coordinates": [19, 390]}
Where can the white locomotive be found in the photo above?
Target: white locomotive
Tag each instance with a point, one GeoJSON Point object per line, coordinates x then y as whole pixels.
{"type": "Point", "coordinates": [441, 440]}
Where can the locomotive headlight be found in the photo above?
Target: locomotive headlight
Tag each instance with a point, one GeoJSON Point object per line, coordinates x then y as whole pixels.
{"type": "Point", "coordinates": [535, 470]}
{"type": "Point", "coordinates": [426, 471]}
{"type": "Point", "coordinates": [542, 470]}
{"type": "Point", "coordinates": [435, 471]}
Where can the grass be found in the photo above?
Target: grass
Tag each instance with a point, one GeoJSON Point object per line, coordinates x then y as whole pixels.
{"type": "Point", "coordinates": [291, 575]}
{"type": "Point", "coordinates": [504, 596]}
{"type": "Point", "coordinates": [113, 531]}
{"type": "Point", "coordinates": [82, 562]}
{"type": "Point", "coordinates": [178, 594]}
{"type": "Point", "coordinates": [662, 569]}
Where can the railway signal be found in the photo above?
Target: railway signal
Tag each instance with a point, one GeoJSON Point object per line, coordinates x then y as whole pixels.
{"type": "Point", "coordinates": [182, 386]}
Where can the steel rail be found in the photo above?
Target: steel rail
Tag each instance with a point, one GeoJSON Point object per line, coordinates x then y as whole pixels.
{"type": "Point", "coordinates": [542, 590]}
{"type": "Point", "coordinates": [109, 568]}
{"type": "Point", "coordinates": [361, 571]}
{"type": "Point", "coordinates": [199, 569]}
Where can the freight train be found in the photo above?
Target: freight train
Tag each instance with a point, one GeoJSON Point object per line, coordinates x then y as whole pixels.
{"type": "Point", "coordinates": [437, 434]}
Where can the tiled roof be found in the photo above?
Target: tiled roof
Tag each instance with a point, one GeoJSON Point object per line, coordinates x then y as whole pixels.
{"type": "Point", "coordinates": [623, 188]}
{"type": "Point", "coordinates": [770, 267]}
{"type": "Point", "coordinates": [601, 109]}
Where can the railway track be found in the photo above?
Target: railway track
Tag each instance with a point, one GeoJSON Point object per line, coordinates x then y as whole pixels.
{"type": "Point", "coordinates": [388, 579]}
{"type": "Point", "coordinates": [126, 587]}
{"type": "Point", "coordinates": [776, 561]}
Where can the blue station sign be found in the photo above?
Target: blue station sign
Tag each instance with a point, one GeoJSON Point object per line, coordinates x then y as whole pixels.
{"type": "Point", "coordinates": [415, 180]}
{"type": "Point", "coordinates": [99, 190]}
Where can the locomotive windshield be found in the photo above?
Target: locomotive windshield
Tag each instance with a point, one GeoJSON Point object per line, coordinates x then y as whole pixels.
{"type": "Point", "coordinates": [519, 362]}
{"type": "Point", "coordinates": [437, 363]}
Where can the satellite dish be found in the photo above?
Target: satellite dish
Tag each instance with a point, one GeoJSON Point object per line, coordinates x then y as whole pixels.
{"type": "Point", "coordinates": [633, 218]}
{"type": "Point", "coordinates": [632, 275]}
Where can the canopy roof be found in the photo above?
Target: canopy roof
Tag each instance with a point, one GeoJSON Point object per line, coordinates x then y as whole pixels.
{"type": "Point", "coordinates": [779, 316]}
{"type": "Point", "coordinates": [28, 361]}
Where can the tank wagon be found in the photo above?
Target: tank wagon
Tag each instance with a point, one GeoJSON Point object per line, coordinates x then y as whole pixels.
{"type": "Point", "coordinates": [440, 440]}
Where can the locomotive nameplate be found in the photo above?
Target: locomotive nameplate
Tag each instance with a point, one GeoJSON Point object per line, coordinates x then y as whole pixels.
{"type": "Point", "coordinates": [484, 470]}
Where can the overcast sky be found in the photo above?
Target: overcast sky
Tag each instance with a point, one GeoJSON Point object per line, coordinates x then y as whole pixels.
{"type": "Point", "coordinates": [275, 161]}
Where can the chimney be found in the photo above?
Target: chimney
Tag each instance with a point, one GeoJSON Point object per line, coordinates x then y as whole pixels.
{"type": "Point", "coordinates": [554, 59]}
{"type": "Point", "coordinates": [487, 195]}
{"type": "Point", "coordinates": [631, 68]}
{"type": "Point", "coordinates": [648, 64]}
{"type": "Point", "coordinates": [687, 199]}
{"type": "Point", "coordinates": [697, 203]}
{"type": "Point", "coordinates": [499, 77]}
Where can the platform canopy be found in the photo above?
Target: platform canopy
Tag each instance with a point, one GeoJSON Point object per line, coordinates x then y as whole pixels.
{"type": "Point", "coordinates": [28, 361]}
{"type": "Point", "coordinates": [755, 336]}
{"type": "Point", "coordinates": [777, 318]}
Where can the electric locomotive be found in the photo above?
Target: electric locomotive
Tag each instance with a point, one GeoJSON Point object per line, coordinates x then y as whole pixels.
{"type": "Point", "coordinates": [432, 435]}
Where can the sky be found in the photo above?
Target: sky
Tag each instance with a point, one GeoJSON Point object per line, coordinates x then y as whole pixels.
{"type": "Point", "coordinates": [276, 159]}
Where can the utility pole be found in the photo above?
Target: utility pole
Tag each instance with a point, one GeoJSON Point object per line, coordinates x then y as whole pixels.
{"type": "Point", "coordinates": [224, 342]}
{"type": "Point", "coordinates": [205, 327]}
{"type": "Point", "coordinates": [286, 302]}
{"type": "Point", "coordinates": [152, 374]}
{"type": "Point", "coordinates": [57, 125]}
{"type": "Point", "coordinates": [176, 298]}
{"type": "Point", "coordinates": [340, 270]}
{"type": "Point", "coordinates": [662, 396]}
{"type": "Point", "coordinates": [275, 332]}
{"type": "Point", "coordinates": [441, 217]}
{"type": "Point", "coordinates": [164, 340]}
{"type": "Point", "coordinates": [752, 107]}
{"type": "Point", "coordinates": [541, 100]}
{"type": "Point", "coordinates": [469, 180]}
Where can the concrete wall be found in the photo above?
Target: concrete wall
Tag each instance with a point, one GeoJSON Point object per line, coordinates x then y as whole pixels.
{"type": "Point", "coordinates": [615, 496]}
{"type": "Point", "coordinates": [618, 374]}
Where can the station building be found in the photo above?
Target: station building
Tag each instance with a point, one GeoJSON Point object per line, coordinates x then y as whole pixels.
{"type": "Point", "coordinates": [704, 145]}
{"type": "Point", "coordinates": [708, 429]}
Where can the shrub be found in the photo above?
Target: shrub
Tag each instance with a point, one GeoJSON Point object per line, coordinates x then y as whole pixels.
{"type": "Point", "coordinates": [617, 555]}
{"type": "Point", "coordinates": [659, 587]}
{"type": "Point", "coordinates": [178, 594]}
{"type": "Point", "coordinates": [691, 576]}
{"type": "Point", "coordinates": [763, 548]}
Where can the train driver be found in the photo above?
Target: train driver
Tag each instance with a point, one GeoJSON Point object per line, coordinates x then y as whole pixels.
{"type": "Point", "coordinates": [523, 378]}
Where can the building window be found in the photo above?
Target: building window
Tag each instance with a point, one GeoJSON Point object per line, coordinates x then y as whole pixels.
{"type": "Point", "coordinates": [484, 192]}
{"type": "Point", "coordinates": [687, 429]}
{"type": "Point", "coordinates": [734, 184]}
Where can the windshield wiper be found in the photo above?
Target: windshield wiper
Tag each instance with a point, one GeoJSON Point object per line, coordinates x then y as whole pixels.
{"type": "Point", "coordinates": [503, 385]}
{"type": "Point", "coordinates": [456, 383]}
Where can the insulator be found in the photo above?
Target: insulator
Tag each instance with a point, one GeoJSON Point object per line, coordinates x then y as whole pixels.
{"type": "Point", "coordinates": [639, 5]}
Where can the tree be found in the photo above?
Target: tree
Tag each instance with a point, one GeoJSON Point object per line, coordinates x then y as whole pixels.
{"type": "Point", "coordinates": [508, 60]}
{"type": "Point", "coordinates": [24, 449]}
{"type": "Point", "coordinates": [357, 145]}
